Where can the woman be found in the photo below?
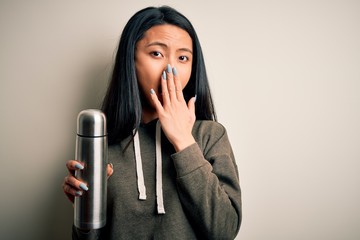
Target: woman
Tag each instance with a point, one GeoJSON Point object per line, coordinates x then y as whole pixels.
{"type": "Point", "coordinates": [173, 173]}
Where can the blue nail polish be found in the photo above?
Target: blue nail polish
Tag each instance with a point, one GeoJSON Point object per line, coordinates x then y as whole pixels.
{"type": "Point", "coordinates": [168, 68]}
{"type": "Point", "coordinates": [164, 75]}
{"type": "Point", "coordinates": [79, 166]}
{"type": "Point", "coordinates": [78, 193]}
{"type": "Point", "coordinates": [83, 187]}
{"type": "Point", "coordinates": [152, 91]}
{"type": "Point", "coordinates": [195, 98]}
{"type": "Point", "coordinates": [174, 71]}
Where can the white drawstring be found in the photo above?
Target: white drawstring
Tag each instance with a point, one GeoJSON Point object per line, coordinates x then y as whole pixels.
{"type": "Point", "coordinates": [159, 189]}
{"type": "Point", "coordinates": [139, 170]}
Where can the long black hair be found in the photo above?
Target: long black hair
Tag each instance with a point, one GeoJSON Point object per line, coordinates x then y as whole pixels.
{"type": "Point", "coordinates": [122, 103]}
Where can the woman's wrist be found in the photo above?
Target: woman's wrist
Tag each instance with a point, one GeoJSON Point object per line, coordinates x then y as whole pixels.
{"type": "Point", "coordinates": [181, 145]}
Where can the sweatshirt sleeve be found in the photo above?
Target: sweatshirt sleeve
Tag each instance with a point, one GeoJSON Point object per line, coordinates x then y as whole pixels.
{"type": "Point", "coordinates": [208, 183]}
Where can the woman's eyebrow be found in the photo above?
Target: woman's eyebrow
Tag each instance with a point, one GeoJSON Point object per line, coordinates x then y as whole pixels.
{"type": "Point", "coordinates": [163, 45]}
{"type": "Point", "coordinates": [185, 49]}
{"type": "Point", "coordinates": [157, 44]}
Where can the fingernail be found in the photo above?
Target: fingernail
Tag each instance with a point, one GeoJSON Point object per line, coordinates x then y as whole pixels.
{"type": "Point", "coordinates": [174, 71]}
{"type": "Point", "coordinates": [152, 91]}
{"type": "Point", "coordinates": [83, 187]}
{"type": "Point", "coordinates": [111, 165]}
{"type": "Point", "coordinates": [164, 75]}
{"type": "Point", "coordinates": [79, 166]}
{"type": "Point", "coordinates": [168, 68]}
{"type": "Point", "coordinates": [195, 98]}
{"type": "Point", "coordinates": [78, 193]}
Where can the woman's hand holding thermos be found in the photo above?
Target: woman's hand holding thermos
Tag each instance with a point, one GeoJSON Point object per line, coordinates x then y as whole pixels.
{"type": "Point", "coordinates": [72, 186]}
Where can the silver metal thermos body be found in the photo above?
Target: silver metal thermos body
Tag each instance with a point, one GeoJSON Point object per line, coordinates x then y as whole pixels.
{"type": "Point", "coordinates": [91, 151]}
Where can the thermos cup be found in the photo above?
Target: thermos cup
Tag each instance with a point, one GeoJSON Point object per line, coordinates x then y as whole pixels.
{"type": "Point", "coordinates": [91, 151]}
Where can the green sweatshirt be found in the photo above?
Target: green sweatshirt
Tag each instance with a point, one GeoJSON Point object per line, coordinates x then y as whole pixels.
{"type": "Point", "coordinates": [201, 192]}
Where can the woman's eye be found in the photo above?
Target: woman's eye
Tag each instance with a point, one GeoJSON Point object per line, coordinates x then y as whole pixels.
{"type": "Point", "coordinates": [156, 54]}
{"type": "Point", "coordinates": [183, 58]}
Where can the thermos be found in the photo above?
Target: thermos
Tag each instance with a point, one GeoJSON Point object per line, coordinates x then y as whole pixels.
{"type": "Point", "coordinates": [91, 151]}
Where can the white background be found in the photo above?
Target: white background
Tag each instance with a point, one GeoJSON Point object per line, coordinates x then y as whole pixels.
{"type": "Point", "coordinates": [285, 76]}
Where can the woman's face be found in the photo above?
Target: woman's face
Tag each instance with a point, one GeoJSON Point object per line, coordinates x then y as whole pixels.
{"type": "Point", "coordinates": [160, 46]}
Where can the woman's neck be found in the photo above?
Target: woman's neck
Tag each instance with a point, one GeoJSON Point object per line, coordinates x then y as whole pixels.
{"type": "Point", "coordinates": [148, 115]}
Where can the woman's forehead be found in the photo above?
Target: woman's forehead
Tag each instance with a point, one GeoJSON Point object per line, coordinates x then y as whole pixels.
{"type": "Point", "coordinates": [168, 35]}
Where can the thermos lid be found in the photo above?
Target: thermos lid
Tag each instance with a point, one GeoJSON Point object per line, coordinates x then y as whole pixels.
{"type": "Point", "coordinates": [91, 123]}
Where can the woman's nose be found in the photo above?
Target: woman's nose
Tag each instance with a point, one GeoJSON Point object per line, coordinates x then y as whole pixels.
{"type": "Point", "coordinates": [172, 61]}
